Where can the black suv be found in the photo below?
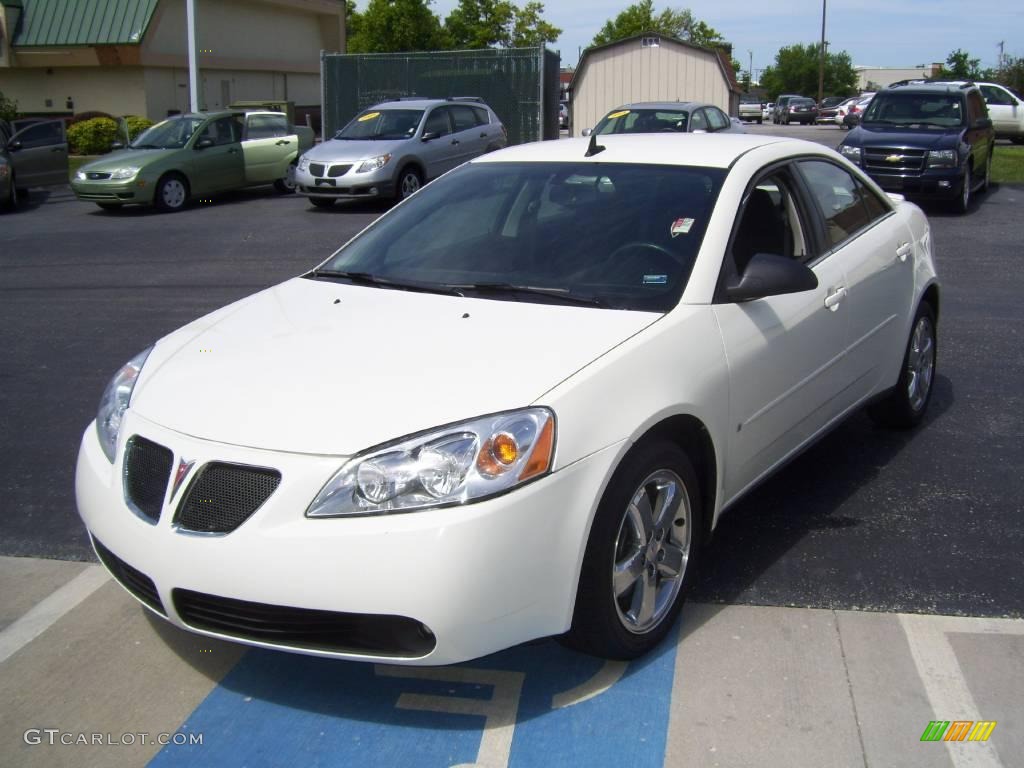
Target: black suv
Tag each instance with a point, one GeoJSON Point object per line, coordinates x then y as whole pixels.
{"type": "Point", "coordinates": [925, 139]}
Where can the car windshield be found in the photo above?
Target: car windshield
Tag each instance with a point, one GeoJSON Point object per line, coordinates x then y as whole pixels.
{"type": "Point", "coordinates": [934, 110]}
{"type": "Point", "coordinates": [609, 235]}
{"type": "Point", "coordinates": [382, 124]}
{"type": "Point", "coordinates": [644, 121]}
{"type": "Point", "coordinates": [172, 133]}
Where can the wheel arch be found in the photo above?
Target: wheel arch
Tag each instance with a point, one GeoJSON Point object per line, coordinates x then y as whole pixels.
{"type": "Point", "coordinates": [173, 172]}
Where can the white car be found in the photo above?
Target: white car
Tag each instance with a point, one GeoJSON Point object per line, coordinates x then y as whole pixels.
{"type": "Point", "coordinates": [514, 406]}
{"type": "Point", "coordinates": [1006, 110]}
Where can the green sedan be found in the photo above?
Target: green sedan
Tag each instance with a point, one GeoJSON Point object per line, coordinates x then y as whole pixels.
{"type": "Point", "coordinates": [195, 155]}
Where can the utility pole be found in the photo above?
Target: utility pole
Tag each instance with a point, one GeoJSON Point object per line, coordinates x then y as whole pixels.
{"type": "Point", "coordinates": [750, 70]}
{"type": "Point", "coordinates": [821, 56]}
{"type": "Point", "coordinates": [193, 70]}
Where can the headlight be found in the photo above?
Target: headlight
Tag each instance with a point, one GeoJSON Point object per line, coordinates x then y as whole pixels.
{"type": "Point", "coordinates": [942, 158]}
{"type": "Point", "coordinates": [115, 401]}
{"type": "Point", "coordinates": [80, 176]}
{"type": "Point", "coordinates": [128, 172]}
{"type": "Point", "coordinates": [853, 154]}
{"type": "Point", "coordinates": [452, 465]}
{"type": "Point", "coordinates": [373, 164]}
{"type": "Point", "coordinates": [303, 163]}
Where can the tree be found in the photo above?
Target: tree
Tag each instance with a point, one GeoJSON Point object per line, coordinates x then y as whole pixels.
{"type": "Point", "coordinates": [8, 108]}
{"type": "Point", "coordinates": [640, 17]}
{"type": "Point", "coordinates": [396, 25]}
{"type": "Point", "coordinates": [1011, 74]}
{"type": "Point", "coordinates": [960, 66]}
{"type": "Point", "coordinates": [491, 23]}
{"type": "Point", "coordinates": [796, 71]}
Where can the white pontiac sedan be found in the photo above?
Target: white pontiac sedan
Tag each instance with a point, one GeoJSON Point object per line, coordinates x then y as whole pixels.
{"type": "Point", "coordinates": [516, 405]}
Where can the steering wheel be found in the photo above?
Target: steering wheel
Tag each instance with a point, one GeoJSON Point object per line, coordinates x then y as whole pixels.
{"type": "Point", "coordinates": [666, 262]}
{"type": "Point", "coordinates": [637, 244]}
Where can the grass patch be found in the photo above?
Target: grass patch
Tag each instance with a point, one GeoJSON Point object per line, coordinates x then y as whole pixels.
{"type": "Point", "coordinates": [1008, 164]}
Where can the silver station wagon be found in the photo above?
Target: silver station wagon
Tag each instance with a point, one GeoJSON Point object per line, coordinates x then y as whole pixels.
{"type": "Point", "coordinates": [393, 148]}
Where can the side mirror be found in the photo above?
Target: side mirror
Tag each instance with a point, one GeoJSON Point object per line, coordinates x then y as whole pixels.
{"type": "Point", "coordinates": [768, 274]}
{"type": "Point", "coordinates": [983, 122]}
{"type": "Point", "coordinates": [117, 145]}
{"type": "Point", "coordinates": [204, 144]}
{"type": "Point", "coordinates": [14, 146]}
{"type": "Point", "coordinates": [587, 131]}
{"type": "Point", "coordinates": [430, 136]}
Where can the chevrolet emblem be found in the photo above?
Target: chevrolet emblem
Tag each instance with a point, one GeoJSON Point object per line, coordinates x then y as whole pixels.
{"type": "Point", "coordinates": [893, 158]}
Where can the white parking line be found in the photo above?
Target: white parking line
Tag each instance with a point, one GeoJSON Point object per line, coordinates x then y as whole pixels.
{"type": "Point", "coordinates": [46, 612]}
{"type": "Point", "coordinates": [943, 678]}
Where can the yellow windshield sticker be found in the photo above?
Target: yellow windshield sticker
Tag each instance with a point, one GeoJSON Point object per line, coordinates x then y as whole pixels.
{"type": "Point", "coordinates": [615, 115]}
{"type": "Point", "coordinates": [369, 116]}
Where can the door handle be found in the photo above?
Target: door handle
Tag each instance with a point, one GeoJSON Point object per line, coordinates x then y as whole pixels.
{"type": "Point", "coordinates": [833, 299]}
{"type": "Point", "coordinates": [57, 149]}
{"type": "Point", "coordinates": [483, 135]}
{"type": "Point", "coordinates": [903, 251]}
{"type": "Point", "coordinates": [455, 141]}
{"type": "Point", "coordinates": [283, 141]}
{"type": "Point", "coordinates": [233, 151]}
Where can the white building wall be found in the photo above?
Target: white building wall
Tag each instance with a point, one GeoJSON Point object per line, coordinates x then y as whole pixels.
{"type": "Point", "coordinates": [629, 72]}
{"type": "Point", "coordinates": [39, 90]}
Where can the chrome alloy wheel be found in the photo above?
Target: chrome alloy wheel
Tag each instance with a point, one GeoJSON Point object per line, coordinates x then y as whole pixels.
{"type": "Point", "coordinates": [920, 363]}
{"type": "Point", "coordinates": [410, 184]}
{"type": "Point", "coordinates": [651, 551]}
{"type": "Point", "coordinates": [172, 193]}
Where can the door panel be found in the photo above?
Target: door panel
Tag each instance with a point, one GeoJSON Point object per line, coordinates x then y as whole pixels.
{"type": "Point", "coordinates": [786, 372]}
{"type": "Point", "coordinates": [438, 154]}
{"type": "Point", "coordinates": [42, 158]}
{"type": "Point", "coordinates": [221, 166]}
{"type": "Point", "coordinates": [267, 148]}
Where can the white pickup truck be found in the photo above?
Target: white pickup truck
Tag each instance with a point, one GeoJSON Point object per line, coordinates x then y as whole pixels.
{"type": "Point", "coordinates": [750, 109]}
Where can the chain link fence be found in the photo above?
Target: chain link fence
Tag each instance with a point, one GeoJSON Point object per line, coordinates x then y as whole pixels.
{"type": "Point", "coordinates": [519, 84]}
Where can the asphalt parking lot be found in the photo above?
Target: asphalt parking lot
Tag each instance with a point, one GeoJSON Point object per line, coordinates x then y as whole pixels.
{"type": "Point", "coordinates": [866, 522]}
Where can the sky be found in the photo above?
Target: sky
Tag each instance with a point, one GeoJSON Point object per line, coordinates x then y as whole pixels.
{"type": "Point", "coordinates": [876, 33]}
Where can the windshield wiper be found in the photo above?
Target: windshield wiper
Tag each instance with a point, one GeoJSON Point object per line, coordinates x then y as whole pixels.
{"type": "Point", "coordinates": [367, 278]}
{"type": "Point", "coordinates": [143, 146]}
{"type": "Point", "coordinates": [558, 294]}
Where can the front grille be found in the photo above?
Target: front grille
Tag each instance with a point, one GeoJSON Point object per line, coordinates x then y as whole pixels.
{"type": "Point", "coordinates": [96, 175]}
{"type": "Point", "coordinates": [147, 469]}
{"type": "Point", "coordinates": [877, 158]}
{"type": "Point", "coordinates": [135, 581]}
{"type": "Point", "coordinates": [377, 635]}
{"type": "Point", "coordinates": [223, 496]}
{"type": "Point", "coordinates": [338, 170]}
{"type": "Point", "coordinates": [317, 169]}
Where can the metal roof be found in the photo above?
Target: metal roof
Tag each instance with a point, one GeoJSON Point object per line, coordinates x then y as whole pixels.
{"type": "Point", "coordinates": [83, 22]}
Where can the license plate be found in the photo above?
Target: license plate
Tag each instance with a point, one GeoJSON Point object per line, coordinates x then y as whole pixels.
{"type": "Point", "coordinates": [325, 182]}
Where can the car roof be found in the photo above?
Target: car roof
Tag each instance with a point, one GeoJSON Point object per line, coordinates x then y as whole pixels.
{"type": "Point", "coordinates": [424, 103]}
{"type": "Point", "coordinates": [702, 150]}
{"type": "Point", "coordinates": [956, 86]}
{"type": "Point", "coordinates": [663, 105]}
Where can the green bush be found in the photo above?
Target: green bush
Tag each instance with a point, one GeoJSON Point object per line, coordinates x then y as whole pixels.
{"type": "Point", "coordinates": [8, 108]}
{"type": "Point", "coordinates": [136, 125]}
{"type": "Point", "coordinates": [92, 137]}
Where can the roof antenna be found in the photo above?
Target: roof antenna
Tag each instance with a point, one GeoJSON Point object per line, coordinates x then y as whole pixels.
{"type": "Point", "coordinates": [594, 148]}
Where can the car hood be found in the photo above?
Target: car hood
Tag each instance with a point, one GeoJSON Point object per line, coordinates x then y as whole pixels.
{"type": "Point", "coordinates": [326, 368]}
{"type": "Point", "coordinates": [345, 150]}
{"type": "Point", "coordinates": [123, 157]}
{"type": "Point", "coordinates": [894, 136]}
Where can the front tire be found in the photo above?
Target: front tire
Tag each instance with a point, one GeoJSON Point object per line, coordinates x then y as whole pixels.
{"type": "Point", "coordinates": [905, 405]}
{"type": "Point", "coordinates": [171, 193]}
{"type": "Point", "coordinates": [409, 182]}
{"type": "Point", "coordinates": [641, 556]}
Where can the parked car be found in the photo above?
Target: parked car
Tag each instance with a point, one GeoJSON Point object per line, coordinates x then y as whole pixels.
{"type": "Point", "coordinates": [830, 102]}
{"type": "Point", "coordinates": [927, 139]}
{"type": "Point", "coordinates": [665, 117]}
{"type": "Point", "coordinates": [840, 110]}
{"type": "Point", "coordinates": [751, 109]}
{"type": "Point", "coordinates": [394, 148]}
{"type": "Point", "coordinates": [798, 110]}
{"type": "Point", "coordinates": [563, 114]}
{"type": "Point", "coordinates": [780, 105]}
{"type": "Point", "coordinates": [853, 113]}
{"type": "Point", "coordinates": [767, 111]}
{"type": "Point", "coordinates": [1006, 110]}
{"type": "Point", "coordinates": [35, 155]}
{"type": "Point", "coordinates": [406, 455]}
{"type": "Point", "coordinates": [828, 114]}
{"type": "Point", "coordinates": [193, 155]}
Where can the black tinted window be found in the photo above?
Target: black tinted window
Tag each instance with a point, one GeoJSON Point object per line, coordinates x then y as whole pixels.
{"type": "Point", "coordinates": [624, 234]}
{"type": "Point", "coordinates": [437, 122]}
{"type": "Point", "coordinates": [42, 135]}
{"type": "Point", "coordinates": [481, 115]}
{"type": "Point", "coordinates": [463, 117]}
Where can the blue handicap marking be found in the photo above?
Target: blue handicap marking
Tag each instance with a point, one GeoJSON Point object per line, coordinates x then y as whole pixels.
{"type": "Point", "coordinates": [534, 705]}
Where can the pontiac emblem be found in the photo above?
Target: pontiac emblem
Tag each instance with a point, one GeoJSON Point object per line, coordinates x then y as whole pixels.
{"type": "Point", "coordinates": [893, 158]}
{"type": "Point", "coordinates": [184, 467]}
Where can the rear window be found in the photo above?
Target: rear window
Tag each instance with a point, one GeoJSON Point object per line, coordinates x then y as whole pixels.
{"type": "Point", "coordinates": [644, 121]}
{"type": "Point", "coordinates": [625, 236]}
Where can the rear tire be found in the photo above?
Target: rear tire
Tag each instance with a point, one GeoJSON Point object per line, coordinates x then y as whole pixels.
{"type": "Point", "coordinates": [905, 405]}
{"type": "Point", "coordinates": [962, 204]}
{"type": "Point", "coordinates": [12, 199]}
{"type": "Point", "coordinates": [641, 556]}
{"type": "Point", "coordinates": [988, 172]}
{"type": "Point", "coordinates": [286, 186]}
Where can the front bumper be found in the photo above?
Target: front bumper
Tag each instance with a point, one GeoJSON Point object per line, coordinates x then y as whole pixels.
{"type": "Point", "coordinates": [349, 185]}
{"type": "Point", "coordinates": [476, 578]}
{"type": "Point", "coordinates": [939, 183]}
{"type": "Point", "coordinates": [137, 190]}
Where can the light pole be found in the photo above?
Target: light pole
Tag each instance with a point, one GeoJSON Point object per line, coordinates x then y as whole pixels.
{"type": "Point", "coordinates": [750, 70]}
{"type": "Point", "coordinates": [821, 56]}
{"type": "Point", "coordinates": [193, 70]}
